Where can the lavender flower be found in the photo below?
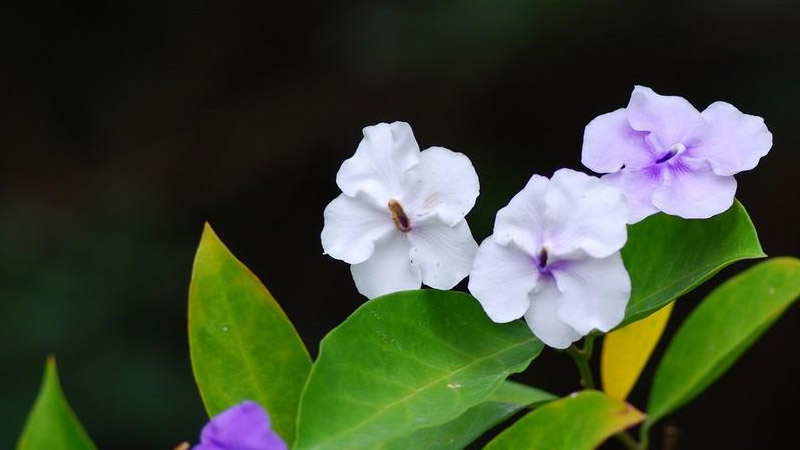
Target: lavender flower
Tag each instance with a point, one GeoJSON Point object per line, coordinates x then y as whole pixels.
{"type": "Point", "coordinates": [666, 156]}
{"type": "Point", "coordinates": [554, 259]}
{"type": "Point", "coordinates": [245, 426]}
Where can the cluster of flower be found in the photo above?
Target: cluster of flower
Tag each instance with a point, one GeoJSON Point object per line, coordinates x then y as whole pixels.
{"type": "Point", "coordinates": [554, 257]}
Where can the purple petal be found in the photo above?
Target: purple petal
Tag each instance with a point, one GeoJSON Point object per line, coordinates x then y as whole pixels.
{"type": "Point", "coordinates": [693, 191]}
{"type": "Point", "coordinates": [501, 279]}
{"type": "Point", "coordinates": [245, 426]}
{"type": "Point", "coordinates": [609, 143]}
{"type": "Point", "coordinates": [669, 118]}
{"type": "Point", "coordinates": [731, 141]}
{"type": "Point", "coordinates": [638, 187]}
{"type": "Point", "coordinates": [595, 293]}
{"type": "Point", "coordinates": [542, 316]}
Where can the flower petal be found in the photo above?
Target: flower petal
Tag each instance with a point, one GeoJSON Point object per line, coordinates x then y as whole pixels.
{"type": "Point", "coordinates": [731, 141]}
{"type": "Point", "coordinates": [501, 279]}
{"type": "Point", "coordinates": [244, 426]}
{"type": "Point", "coordinates": [443, 253]}
{"type": "Point", "coordinates": [584, 213]}
{"type": "Point", "coordinates": [352, 225]}
{"type": "Point", "coordinates": [693, 191]}
{"type": "Point", "coordinates": [381, 160]}
{"type": "Point", "coordinates": [542, 316]}
{"type": "Point", "coordinates": [638, 187]}
{"type": "Point", "coordinates": [389, 269]}
{"type": "Point", "coordinates": [609, 143]}
{"type": "Point", "coordinates": [595, 292]}
{"type": "Point", "coordinates": [444, 183]}
{"type": "Point", "coordinates": [670, 118]}
{"type": "Point", "coordinates": [522, 220]}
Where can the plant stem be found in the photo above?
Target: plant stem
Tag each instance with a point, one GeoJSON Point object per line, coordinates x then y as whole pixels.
{"type": "Point", "coordinates": [627, 440]}
{"type": "Point", "coordinates": [644, 437]}
{"type": "Point", "coordinates": [581, 359]}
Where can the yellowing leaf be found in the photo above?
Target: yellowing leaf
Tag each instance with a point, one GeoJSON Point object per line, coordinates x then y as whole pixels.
{"type": "Point", "coordinates": [581, 421]}
{"type": "Point", "coordinates": [626, 351]}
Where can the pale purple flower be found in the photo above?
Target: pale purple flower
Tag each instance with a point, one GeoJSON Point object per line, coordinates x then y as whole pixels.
{"type": "Point", "coordinates": [667, 156]}
{"type": "Point", "coordinates": [245, 426]}
{"type": "Point", "coordinates": [554, 259]}
{"type": "Point", "coordinates": [399, 221]}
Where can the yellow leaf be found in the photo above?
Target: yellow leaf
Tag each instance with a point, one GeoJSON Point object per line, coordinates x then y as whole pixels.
{"type": "Point", "coordinates": [626, 351]}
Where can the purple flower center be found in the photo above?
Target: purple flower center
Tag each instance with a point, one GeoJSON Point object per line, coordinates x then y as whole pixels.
{"type": "Point", "coordinates": [542, 259]}
{"type": "Point", "coordinates": [671, 152]}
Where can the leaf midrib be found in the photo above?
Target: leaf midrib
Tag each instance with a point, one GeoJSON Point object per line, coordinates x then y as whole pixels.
{"type": "Point", "coordinates": [382, 410]}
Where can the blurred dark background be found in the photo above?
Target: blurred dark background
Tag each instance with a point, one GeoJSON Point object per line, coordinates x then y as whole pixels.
{"type": "Point", "coordinates": [125, 125]}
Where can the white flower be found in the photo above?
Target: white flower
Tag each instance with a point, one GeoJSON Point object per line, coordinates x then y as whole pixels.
{"type": "Point", "coordinates": [554, 259]}
{"type": "Point", "coordinates": [400, 218]}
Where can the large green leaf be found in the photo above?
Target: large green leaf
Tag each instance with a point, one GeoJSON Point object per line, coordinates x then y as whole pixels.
{"type": "Point", "coordinates": [579, 422]}
{"type": "Point", "coordinates": [51, 424]}
{"type": "Point", "coordinates": [667, 256]}
{"type": "Point", "coordinates": [720, 329]}
{"type": "Point", "coordinates": [506, 401]}
{"type": "Point", "coordinates": [242, 345]}
{"type": "Point", "coordinates": [403, 362]}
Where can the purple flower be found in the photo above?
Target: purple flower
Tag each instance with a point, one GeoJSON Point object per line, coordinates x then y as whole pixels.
{"type": "Point", "coordinates": [666, 156]}
{"type": "Point", "coordinates": [244, 426]}
{"type": "Point", "coordinates": [554, 259]}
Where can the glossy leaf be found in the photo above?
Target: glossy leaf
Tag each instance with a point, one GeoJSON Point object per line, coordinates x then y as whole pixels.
{"type": "Point", "coordinates": [668, 256]}
{"type": "Point", "coordinates": [720, 329]}
{"type": "Point", "coordinates": [581, 421]}
{"type": "Point", "coordinates": [506, 401]}
{"type": "Point", "coordinates": [627, 350]}
{"type": "Point", "coordinates": [403, 362]}
{"type": "Point", "coordinates": [242, 345]}
{"type": "Point", "coordinates": [51, 424]}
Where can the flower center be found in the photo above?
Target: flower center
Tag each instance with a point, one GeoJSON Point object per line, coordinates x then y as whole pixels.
{"type": "Point", "coordinates": [671, 152]}
{"type": "Point", "coordinates": [542, 258]}
{"type": "Point", "coordinates": [399, 216]}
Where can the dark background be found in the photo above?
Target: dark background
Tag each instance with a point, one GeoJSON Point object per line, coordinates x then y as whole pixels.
{"type": "Point", "coordinates": [125, 125]}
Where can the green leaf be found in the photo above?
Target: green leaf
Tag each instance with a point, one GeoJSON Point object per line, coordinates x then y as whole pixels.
{"type": "Point", "coordinates": [242, 345]}
{"type": "Point", "coordinates": [506, 401]}
{"type": "Point", "coordinates": [667, 256]}
{"type": "Point", "coordinates": [581, 421]}
{"type": "Point", "coordinates": [403, 362]}
{"type": "Point", "coordinates": [719, 330]}
{"type": "Point", "coordinates": [51, 424]}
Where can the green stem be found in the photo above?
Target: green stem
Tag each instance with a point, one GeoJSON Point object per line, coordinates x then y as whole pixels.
{"type": "Point", "coordinates": [582, 358]}
{"type": "Point", "coordinates": [582, 361]}
{"type": "Point", "coordinates": [628, 441]}
{"type": "Point", "coordinates": [644, 437]}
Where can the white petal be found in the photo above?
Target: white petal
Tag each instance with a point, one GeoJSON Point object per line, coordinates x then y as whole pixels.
{"type": "Point", "coordinates": [542, 316]}
{"type": "Point", "coordinates": [669, 117]}
{"type": "Point", "coordinates": [693, 191]}
{"type": "Point", "coordinates": [501, 279]}
{"type": "Point", "coordinates": [522, 220]}
{"type": "Point", "coordinates": [609, 143]}
{"type": "Point", "coordinates": [443, 253]}
{"type": "Point", "coordinates": [380, 163]}
{"type": "Point", "coordinates": [389, 269]}
{"type": "Point", "coordinates": [352, 225]}
{"type": "Point", "coordinates": [584, 213]}
{"type": "Point", "coordinates": [444, 183]}
{"type": "Point", "coordinates": [731, 140]}
{"type": "Point", "coordinates": [595, 292]}
{"type": "Point", "coordinates": [638, 186]}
